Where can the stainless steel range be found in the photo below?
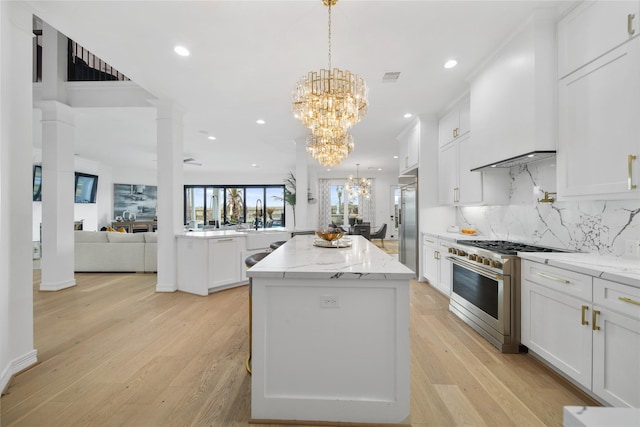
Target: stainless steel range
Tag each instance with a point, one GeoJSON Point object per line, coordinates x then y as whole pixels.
{"type": "Point", "coordinates": [486, 288]}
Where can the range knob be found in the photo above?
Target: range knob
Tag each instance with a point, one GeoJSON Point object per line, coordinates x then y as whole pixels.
{"type": "Point", "coordinates": [496, 264]}
{"type": "Point", "coordinates": [486, 261]}
{"type": "Point", "coordinates": [479, 259]}
{"type": "Point", "coordinates": [472, 257]}
{"type": "Point", "coordinates": [461, 252]}
{"type": "Point", "coordinates": [451, 251]}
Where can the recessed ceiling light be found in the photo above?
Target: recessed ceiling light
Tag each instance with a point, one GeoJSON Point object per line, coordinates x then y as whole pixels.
{"type": "Point", "coordinates": [211, 137]}
{"type": "Point", "coordinates": [254, 165]}
{"type": "Point", "coordinates": [379, 169]}
{"type": "Point", "coordinates": [328, 170]}
{"type": "Point", "coordinates": [395, 157]}
{"type": "Point", "coordinates": [260, 122]}
{"type": "Point", "coordinates": [181, 50]}
{"type": "Point", "coordinates": [450, 63]}
{"type": "Point", "coordinates": [407, 115]}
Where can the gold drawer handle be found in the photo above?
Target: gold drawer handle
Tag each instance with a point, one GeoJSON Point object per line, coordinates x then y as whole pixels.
{"type": "Point", "coordinates": [630, 160]}
{"type": "Point", "coordinates": [557, 279]}
{"type": "Point", "coordinates": [629, 300]}
{"type": "Point", "coordinates": [583, 311]}
{"type": "Point", "coordinates": [630, 29]}
{"type": "Point", "coordinates": [224, 240]}
{"type": "Point", "coordinates": [594, 319]}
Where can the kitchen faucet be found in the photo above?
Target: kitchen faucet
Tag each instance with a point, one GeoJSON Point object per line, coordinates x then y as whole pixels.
{"type": "Point", "coordinates": [258, 203]}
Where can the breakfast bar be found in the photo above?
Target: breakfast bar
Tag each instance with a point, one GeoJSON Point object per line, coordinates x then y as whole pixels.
{"type": "Point", "coordinates": [330, 334]}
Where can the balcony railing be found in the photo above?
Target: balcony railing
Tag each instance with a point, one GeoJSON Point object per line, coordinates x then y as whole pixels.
{"type": "Point", "coordinates": [83, 65]}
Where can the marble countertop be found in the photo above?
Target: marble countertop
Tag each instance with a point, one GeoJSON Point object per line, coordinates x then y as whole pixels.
{"type": "Point", "coordinates": [300, 259]}
{"type": "Point", "coordinates": [617, 269]}
{"type": "Point", "coordinates": [221, 233]}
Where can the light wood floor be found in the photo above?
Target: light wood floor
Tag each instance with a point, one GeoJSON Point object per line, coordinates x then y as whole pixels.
{"type": "Point", "coordinates": [112, 351]}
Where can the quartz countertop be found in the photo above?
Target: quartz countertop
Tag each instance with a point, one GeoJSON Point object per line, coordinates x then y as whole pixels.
{"type": "Point", "coordinates": [299, 258]}
{"type": "Point", "coordinates": [617, 269]}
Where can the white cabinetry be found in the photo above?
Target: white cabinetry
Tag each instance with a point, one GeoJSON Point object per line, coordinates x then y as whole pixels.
{"type": "Point", "coordinates": [513, 108]}
{"type": "Point", "coordinates": [599, 130]}
{"type": "Point", "coordinates": [616, 343]}
{"type": "Point", "coordinates": [455, 123]}
{"type": "Point", "coordinates": [409, 148]}
{"type": "Point", "coordinates": [457, 184]}
{"type": "Point", "coordinates": [586, 327]}
{"type": "Point", "coordinates": [436, 269]}
{"type": "Point", "coordinates": [206, 265]}
{"type": "Point", "coordinates": [224, 262]}
{"type": "Point", "coordinates": [592, 29]}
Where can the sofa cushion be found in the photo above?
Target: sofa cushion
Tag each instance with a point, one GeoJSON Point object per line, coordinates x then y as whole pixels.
{"type": "Point", "coordinates": [151, 237]}
{"type": "Point", "coordinates": [91, 236]}
{"type": "Point", "coordinates": [125, 237]}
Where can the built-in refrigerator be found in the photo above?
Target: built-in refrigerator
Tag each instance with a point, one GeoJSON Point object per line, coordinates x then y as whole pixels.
{"type": "Point", "coordinates": [408, 222]}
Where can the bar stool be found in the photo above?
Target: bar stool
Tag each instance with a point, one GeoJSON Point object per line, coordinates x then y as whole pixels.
{"type": "Point", "coordinates": [276, 245]}
{"type": "Point", "coordinates": [250, 261]}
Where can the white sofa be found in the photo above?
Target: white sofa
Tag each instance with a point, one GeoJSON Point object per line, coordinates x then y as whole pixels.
{"type": "Point", "coordinates": [115, 252]}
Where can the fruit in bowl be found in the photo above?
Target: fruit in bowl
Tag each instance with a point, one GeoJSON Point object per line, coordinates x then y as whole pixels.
{"type": "Point", "coordinates": [329, 234]}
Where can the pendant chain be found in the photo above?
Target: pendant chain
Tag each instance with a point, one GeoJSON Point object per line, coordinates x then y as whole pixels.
{"type": "Point", "coordinates": [329, 37]}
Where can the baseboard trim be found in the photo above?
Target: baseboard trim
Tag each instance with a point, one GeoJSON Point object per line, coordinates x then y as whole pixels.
{"type": "Point", "coordinates": [166, 287]}
{"type": "Point", "coordinates": [57, 286]}
{"type": "Point", "coordinates": [325, 423]}
{"type": "Point", "coordinates": [16, 366]}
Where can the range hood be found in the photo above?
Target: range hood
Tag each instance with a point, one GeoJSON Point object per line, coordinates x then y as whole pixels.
{"type": "Point", "coordinates": [531, 157]}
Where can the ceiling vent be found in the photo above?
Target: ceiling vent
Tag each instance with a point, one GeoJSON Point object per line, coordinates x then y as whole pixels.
{"type": "Point", "coordinates": [391, 77]}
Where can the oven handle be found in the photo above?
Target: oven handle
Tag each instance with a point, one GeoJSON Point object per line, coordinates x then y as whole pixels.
{"type": "Point", "coordinates": [481, 271]}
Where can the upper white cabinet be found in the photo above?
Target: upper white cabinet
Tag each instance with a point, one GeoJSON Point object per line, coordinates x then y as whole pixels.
{"type": "Point", "coordinates": [599, 130]}
{"type": "Point", "coordinates": [409, 148]}
{"type": "Point", "coordinates": [513, 104]}
{"type": "Point", "coordinates": [457, 184]}
{"type": "Point", "coordinates": [455, 123]}
{"type": "Point", "coordinates": [594, 28]}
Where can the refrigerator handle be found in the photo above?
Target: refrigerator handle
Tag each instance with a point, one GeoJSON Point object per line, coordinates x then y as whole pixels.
{"type": "Point", "coordinates": [399, 216]}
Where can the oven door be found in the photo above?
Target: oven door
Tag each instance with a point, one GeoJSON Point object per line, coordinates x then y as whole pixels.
{"type": "Point", "coordinates": [484, 296]}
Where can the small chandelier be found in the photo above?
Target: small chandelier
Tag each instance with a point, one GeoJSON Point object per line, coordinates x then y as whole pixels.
{"type": "Point", "coordinates": [358, 186]}
{"type": "Point", "coordinates": [329, 102]}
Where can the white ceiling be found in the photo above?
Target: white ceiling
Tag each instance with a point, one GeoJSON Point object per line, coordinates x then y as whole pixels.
{"type": "Point", "coordinates": [247, 55]}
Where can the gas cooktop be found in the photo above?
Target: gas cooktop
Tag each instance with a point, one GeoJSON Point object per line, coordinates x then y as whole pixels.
{"type": "Point", "coordinates": [505, 247]}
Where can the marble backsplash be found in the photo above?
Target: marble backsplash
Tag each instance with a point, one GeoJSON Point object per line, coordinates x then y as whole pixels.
{"type": "Point", "coordinates": [586, 226]}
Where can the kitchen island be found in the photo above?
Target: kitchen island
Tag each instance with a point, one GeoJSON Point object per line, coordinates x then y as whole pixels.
{"type": "Point", "coordinates": [330, 334]}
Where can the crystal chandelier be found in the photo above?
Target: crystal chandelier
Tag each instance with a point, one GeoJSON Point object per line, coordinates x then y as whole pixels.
{"type": "Point", "coordinates": [330, 151]}
{"type": "Point", "coordinates": [329, 102]}
{"type": "Point", "coordinates": [358, 186]}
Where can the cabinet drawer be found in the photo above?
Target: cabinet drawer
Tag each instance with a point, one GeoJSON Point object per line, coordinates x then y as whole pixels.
{"type": "Point", "coordinates": [430, 241]}
{"type": "Point", "coordinates": [624, 299]}
{"type": "Point", "coordinates": [567, 282]}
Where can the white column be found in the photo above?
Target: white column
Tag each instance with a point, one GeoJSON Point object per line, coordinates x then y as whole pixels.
{"type": "Point", "coordinates": [58, 174]}
{"type": "Point", "coordinates": [16, 265]}
{"type": "Point", "coordinates": [302, 184]}
{"type": "Point", "coordinates": [170, 191]}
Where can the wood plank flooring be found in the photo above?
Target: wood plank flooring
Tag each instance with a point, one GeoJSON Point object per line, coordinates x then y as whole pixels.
{"type": "Point", "coordinates": [113, 351]}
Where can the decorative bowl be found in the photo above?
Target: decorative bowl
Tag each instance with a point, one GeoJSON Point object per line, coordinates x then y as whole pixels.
{"type": "Point", "coordinates": [329, 235]}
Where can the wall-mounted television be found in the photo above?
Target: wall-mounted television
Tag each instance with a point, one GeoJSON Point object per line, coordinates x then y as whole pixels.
{"type": "Point", "coordinates": [86, 188]}
{"type": "Point", "coordinates": [37, 183]}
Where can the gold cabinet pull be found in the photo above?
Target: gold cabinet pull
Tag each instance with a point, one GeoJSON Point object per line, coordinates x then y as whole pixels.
{"type": "Point", "coordinates": [557, 279]}
{"type": "Point", "coordinates": [630, 160]}
{"type": "Point", "coordinates": [583, 311]}
{"type": "Point", "coordinates": [594, 320]}
{"type": "Point", "coordinates": [224, 240]}
{"type": "Point", "coordinates": [630, 29]}
{"type": "Point", "coordinates": [629, 300]}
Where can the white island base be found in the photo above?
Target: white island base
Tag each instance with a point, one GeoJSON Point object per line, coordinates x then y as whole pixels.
{"type": "Point", "coordinates": [330, 335]}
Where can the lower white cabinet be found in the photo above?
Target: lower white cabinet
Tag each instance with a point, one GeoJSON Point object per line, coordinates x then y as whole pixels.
{"type": "Point", "coordinates": [224, 262]}
{"type": "Point", "coordinates": [435, 265]}
{"type": "Point", "coordinates": [430, 262]}
{"type": "Point", "coordinates": [206, 265]}
{"type": "Point", "coordinates": [586, 327]}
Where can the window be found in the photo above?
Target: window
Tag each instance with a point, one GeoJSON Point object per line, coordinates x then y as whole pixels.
{"type": "Point", "coordinates": [212, 206]}
{"type": "Point", "coordinates": [86, 188]}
